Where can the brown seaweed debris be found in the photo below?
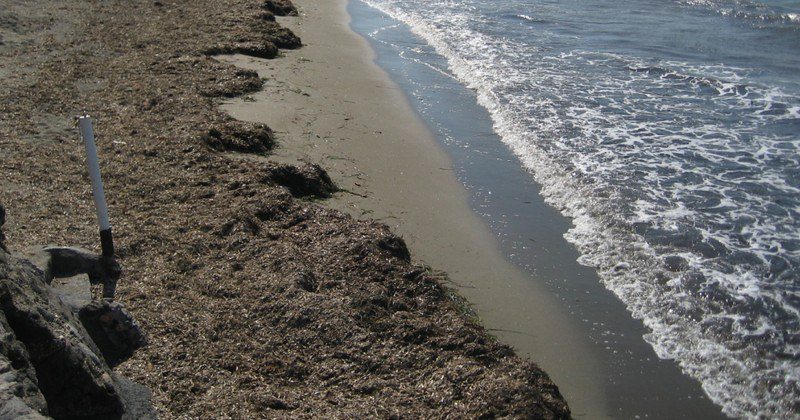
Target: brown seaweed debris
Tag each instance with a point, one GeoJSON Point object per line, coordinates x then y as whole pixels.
{"type": "Point", "coordinates": [280, 7]}
{"type": "Point", "coordinates": [257, 304]}
{"type": "Point", "coordinates": [239, 136]}
{"type": "Point", "coordinates": [280, 36]}
{"type": "Point", "coordinates": [301, 180]}
{"type": "Point", "coordinates": [265, 49]}
{"type": "Point", "coordinates": [228, 81]}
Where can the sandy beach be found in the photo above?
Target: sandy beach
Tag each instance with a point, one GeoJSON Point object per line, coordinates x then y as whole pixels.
{"type": "Point", "coordinates": [393, 168]}
{"type": "Point", "coordinates": [259, 295]}
{"type": "Point", "coordinates": [339, 109]}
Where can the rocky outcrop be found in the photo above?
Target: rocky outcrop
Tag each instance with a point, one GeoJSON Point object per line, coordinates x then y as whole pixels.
{"type": "Point", "coordinates": [19, 392]}
{"type": "Point", "coordinates": [49, 363]}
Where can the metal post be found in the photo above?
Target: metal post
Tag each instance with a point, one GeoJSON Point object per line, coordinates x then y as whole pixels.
{"type": "Point", "coordinates": [106, 239]}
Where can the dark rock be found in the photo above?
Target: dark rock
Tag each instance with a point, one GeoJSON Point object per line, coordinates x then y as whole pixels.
{"type": "Point", "coordinates": [240, 137]}
{"type": "Point", "coordinates": [74, 291]}
{"type": "Point", "coordinates": [302, 181]}
{"type": "Point", "coordinates": [71, 377]}
{"type": "Point", "coordinates": [113, 329]}
{"type": "Point", "coordinates": [19, 391]}
{"type": "Point", "coordinates": [49, 364]}
{"type": "Point", "coordinates": [280, 7]}
{"type": "Point", "coordinates": [138, 399]}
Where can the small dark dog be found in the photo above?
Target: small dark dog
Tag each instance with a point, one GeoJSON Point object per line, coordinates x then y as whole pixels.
{"type": "Point", "coordinates": [70, 261]}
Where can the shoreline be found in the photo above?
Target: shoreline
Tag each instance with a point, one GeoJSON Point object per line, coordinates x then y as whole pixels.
{"type": "Point", "coordinates": [531, 233]}
{"type": "Point", "coordinates": [387, 169]}
{"type": "Point", "coordinates": [256, 300]}
{"type": "Point", "coordinates": [378, 149]}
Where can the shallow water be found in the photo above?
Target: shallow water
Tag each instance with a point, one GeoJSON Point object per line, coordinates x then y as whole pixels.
{"type": "Point", "coordinates": [668, 132]}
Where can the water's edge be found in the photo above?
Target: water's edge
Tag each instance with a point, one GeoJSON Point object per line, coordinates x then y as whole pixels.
{"type": "Point", "coordinates": [529, 231]}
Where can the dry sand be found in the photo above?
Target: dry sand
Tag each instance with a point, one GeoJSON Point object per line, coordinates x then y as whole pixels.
{"type": "Point", "coordinates": [336, 107]}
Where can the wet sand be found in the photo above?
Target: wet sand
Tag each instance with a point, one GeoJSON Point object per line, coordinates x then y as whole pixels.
{"type": "Point", "coordinates": [330, 103]}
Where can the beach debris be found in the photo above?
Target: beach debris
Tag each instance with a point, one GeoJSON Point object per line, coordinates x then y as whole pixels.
{"type": "Point", "coordinates": [265, 49]}
{"type": "Point", "coordinates": [282, 37]}
{"type": "Point", "coordinates": [266, 15]}
{"type": "Point", "coordinates": [395, 246]}
{"type": "Point", "coordinates": [308, 179]}
{"type": "Point", "coordinates": [306, 280]}
{"type": "Point", "coordinates": [219, 344]}
{"type": "Point", "coordinates": [270, 36]}
{"type": "Point", "coordinates": [239, 136]}
{"type": "Point", "coordinates": [280, 7]}
{"type": "Point", "coordinates": [231, 82]}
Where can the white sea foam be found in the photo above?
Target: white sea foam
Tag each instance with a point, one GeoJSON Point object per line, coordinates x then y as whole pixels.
{"type": "Point", "coordinates": [611, 152]}
{"type": "Point", "coordinates": [748, 10]}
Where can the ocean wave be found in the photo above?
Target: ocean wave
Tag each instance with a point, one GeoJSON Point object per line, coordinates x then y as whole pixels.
{"type": "Point", "coordinates": [749, 11]}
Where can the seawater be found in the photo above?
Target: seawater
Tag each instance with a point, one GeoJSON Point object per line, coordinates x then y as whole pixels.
{"type": "Point", "coordinates": [668, 131]}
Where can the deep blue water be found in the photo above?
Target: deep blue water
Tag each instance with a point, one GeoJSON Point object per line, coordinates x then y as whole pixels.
{"type": "Point", "coordinates": [668, 130]}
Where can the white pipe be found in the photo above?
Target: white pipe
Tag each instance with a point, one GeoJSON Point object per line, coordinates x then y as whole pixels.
{"type": "Point", "coordinates": [85, 125]}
